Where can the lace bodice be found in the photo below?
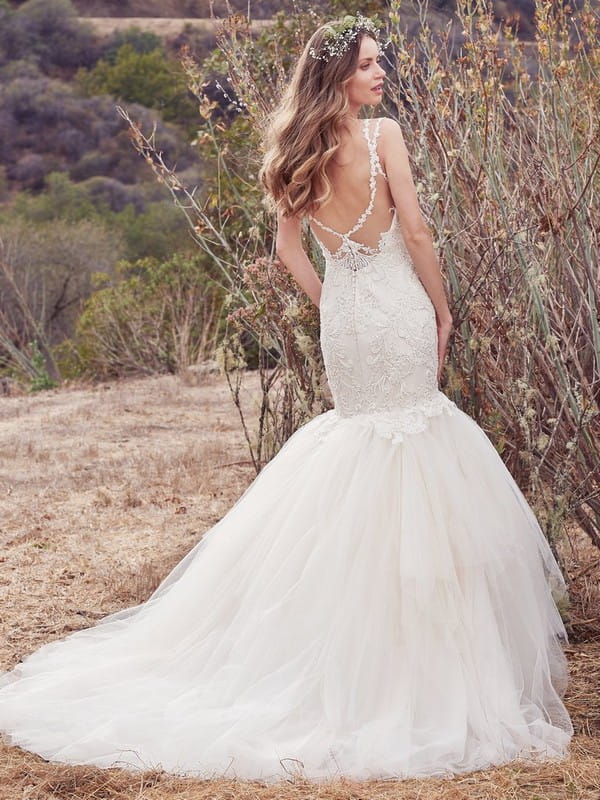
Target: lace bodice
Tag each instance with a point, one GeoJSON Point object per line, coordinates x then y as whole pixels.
{"type": "Point", "coordinates": [378, 328]}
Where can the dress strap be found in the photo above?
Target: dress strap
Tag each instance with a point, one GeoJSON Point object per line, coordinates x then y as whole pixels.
{"type": "Point", "coordinates": [376, 167]}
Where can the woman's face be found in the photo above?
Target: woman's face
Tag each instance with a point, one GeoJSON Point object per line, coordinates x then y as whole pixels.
{"type": "Point", "coordinates": [365, 87]}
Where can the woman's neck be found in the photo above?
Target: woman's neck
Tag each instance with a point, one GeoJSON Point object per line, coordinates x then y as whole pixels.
{"type": "Point", "coordinates": [352, 120]}
{"type": "Point", "coordinates": [354, 111]}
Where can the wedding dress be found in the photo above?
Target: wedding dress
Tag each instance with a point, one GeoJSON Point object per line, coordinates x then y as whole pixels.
{"type": "Point", "coordinates": [379, 603]}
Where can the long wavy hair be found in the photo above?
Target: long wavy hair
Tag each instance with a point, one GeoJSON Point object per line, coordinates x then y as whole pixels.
{"type": "Point", "coordinates": [305, 130]}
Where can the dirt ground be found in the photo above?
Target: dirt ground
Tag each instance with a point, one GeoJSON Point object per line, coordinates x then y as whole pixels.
{"type": "Point", "coordinates": [102, 490]}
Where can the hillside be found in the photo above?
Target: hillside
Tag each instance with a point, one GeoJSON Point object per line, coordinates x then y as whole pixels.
{"type": "Point", "coordinates": [520, 13]}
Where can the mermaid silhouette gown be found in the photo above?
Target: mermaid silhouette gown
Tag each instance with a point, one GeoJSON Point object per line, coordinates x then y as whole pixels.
{"type": "Point", "coordinates": [379, 603]}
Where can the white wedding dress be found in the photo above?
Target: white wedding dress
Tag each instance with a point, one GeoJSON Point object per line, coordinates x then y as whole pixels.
{"type": "Point", "coordinates": [378, 604]}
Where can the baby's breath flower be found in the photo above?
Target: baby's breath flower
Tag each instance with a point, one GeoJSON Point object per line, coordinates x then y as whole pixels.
{"type": "Point", "coordinates": [339, 36]}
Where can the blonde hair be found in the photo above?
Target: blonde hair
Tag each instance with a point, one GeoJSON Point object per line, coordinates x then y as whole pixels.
{"type": "Point", "coordinates": [305, 131]}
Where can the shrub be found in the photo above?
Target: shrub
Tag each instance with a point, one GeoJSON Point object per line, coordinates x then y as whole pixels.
{"type": "Point", "coordinates": [141, 42]}
{"type": "Point", "coordinates": [158, 231]}
{"type": "Point", "coordinates": [40, 379]}
{"type": "Point", "coordinates": [198, 41]}
{"type": "Point", "coordinates": [62, 200]}
{"type": "Point", "coordinates": [21, 68]}
{"type": "Point", "coordinates": [111, 195]}
{"type": "Point", "coordinates": [154, 317]}
{"type": "Point", "coordinates": [145, 226]}
{"type": "Point", "coordinates": [30, 170]}
{"type": "Point", "coordinates": [150, 79]}
{"type": "Point", "coordinates": [49, 32]}
{"type": "Point", "coordinates": [285, 329]}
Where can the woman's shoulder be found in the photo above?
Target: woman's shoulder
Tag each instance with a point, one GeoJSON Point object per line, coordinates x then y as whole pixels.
{"type": "Point", "coordinates": [390, 132]}
{"type": "Point", "coordinates": [387, 123]}
{"type": "Point", "coordinates": [390, 140]}
{"type": "Point", "coordinates": [386, 129]}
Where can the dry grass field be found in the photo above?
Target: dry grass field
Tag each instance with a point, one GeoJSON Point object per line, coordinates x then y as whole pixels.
{"type": "Point", "coordinates": [102, 490]}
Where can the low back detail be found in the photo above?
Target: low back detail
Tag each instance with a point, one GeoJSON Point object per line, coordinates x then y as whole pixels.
{"type": "Point", "coordinates": [351, 251]}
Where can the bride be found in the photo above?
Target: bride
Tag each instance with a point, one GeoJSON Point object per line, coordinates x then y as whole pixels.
{"type": "Point", "coordinates": [379, 602]}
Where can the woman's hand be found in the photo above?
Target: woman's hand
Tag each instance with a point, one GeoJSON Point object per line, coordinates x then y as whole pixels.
{"type": "Point", "coordinates": [444, 328]}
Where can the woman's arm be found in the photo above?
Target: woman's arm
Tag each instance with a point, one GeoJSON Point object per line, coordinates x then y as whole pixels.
{"type": "Point", "coordinates": [415, 232]}
{"type": "Point", "coordinates": [289, 249]}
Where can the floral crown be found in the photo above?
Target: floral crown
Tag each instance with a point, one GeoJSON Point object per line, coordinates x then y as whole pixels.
{"type": "Point", "coordinates": [338, 36]}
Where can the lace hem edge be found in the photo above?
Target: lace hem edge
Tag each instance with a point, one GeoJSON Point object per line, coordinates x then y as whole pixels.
{"type": "Point", "coordinates": [394, 424]}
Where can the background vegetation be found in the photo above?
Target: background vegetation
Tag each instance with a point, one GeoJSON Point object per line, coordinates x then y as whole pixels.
{"type": "Point", "coordinates": [75, 199]}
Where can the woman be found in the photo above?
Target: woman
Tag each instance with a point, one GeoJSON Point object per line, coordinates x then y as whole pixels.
{"type": "Point", "coordinates": [377, 604]}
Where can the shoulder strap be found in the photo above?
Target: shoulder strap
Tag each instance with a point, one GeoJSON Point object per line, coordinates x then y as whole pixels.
{"type": "Point", "coordinates": [376, 168]}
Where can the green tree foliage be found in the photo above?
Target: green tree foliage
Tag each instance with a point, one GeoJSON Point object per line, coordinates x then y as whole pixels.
{"type": "Point", "coordinates": [40, 377]}
{"type": "Point", "coordinates": [159, 231]}
{"type": "Point", "coordinates": [141, 41]}
{"type": "Point", "coordinates": [62, 200]}
{"type": "Point", "coordinates": [148, 78]}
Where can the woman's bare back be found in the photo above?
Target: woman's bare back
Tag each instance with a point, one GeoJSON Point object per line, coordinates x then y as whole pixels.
{"type": "Point", "coordinates": [351, 173]}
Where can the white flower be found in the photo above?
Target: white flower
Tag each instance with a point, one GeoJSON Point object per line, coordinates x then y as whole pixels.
{"type": "Point", "coordinates": [339, 36]}
{"type": "Point", "coordinates": [542, 441]}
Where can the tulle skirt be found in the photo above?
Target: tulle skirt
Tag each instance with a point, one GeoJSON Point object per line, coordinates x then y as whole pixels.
{"type": "Point", "coordinates": [378, 604]}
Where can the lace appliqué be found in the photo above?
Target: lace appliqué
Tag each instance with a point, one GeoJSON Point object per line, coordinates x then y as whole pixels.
{"type": "Point", "coordinates": [352, 254]}
{"type": "Point", "coordinates": [394, 424]}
